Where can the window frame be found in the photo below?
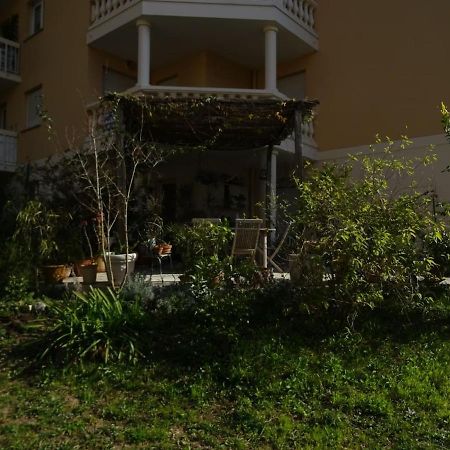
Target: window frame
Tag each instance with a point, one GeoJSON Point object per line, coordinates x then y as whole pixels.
{"type": "Point", "coordinates": [33, 23]}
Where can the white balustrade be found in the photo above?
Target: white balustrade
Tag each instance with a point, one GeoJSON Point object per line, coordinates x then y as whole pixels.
{"type": "Point", "coordinates": [204, 92]}
{"type": "Point", "coordinates": [9, 57]}
{"type": "Point", "coordinates": [102, 9]}
{"type": "Point", "coordinates": [8, 151]}
{"type": "Point", "coordinates": [308, 129]}
{"type": "Point", "coordinates": [303, 11]}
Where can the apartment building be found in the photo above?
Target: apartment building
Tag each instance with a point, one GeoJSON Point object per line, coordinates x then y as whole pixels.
{"type": "Point", "coordinates": [376, 67]}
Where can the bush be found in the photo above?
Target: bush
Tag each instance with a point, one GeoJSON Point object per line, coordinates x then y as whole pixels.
{"type": "Point", "coordinates": [358, 242]}
{"type": "Point", "coordinates": [96, 326]}
{"type": "Point", "coordinates": [202, 240]}
{"type": "Point", "coordinates": [16, 294]}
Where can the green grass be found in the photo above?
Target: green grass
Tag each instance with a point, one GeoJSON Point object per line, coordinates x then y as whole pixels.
{"type": "Point", "coordinates": [373, 390]}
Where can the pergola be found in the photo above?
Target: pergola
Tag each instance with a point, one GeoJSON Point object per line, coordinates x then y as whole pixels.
{"type": "Point", "coordinates": [217, 124]}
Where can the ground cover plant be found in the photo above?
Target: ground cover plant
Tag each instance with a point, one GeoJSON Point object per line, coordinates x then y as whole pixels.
{"type": "Point", "coordinates": [280, 385]}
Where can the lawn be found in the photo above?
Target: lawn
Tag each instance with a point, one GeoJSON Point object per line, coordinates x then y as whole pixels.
{"type": "Point", "coordinates": [386, 386]}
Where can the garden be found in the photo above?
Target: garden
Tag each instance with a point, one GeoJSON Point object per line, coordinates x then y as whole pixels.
{"type": "Point", "coordinates": [352, 352]}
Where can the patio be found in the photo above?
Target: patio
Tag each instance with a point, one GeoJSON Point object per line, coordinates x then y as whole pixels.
{"type": "Point", "coordinates": [155, 279]}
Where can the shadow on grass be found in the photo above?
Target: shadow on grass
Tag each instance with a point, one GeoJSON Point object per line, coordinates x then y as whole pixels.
{"type": "Point", "coordinates": [186, 331]}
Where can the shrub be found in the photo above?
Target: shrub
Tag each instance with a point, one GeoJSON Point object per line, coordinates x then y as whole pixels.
{"type": "Point", "coordinates": [359, 241]}
{"type": "Point", "coordinates": [16, 294]}
{"type": "Point", "coordinates": [201, 241]}
{"type": "Point", "coordinates": [137, 290]}
{"type": "Point", "coordinates": [96, 326]}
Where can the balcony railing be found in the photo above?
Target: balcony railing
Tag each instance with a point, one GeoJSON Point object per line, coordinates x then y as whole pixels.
{"type": "Point", "coordinates": [302, 11]}
{"type": "Point", "coordinates": [9, 57]}
{"type": "Point", "coordinates": [102, 9]}
{"type": "Point", "coordinates": [8, 151]}
{"type": "Point", "coordinates": [203, 92]}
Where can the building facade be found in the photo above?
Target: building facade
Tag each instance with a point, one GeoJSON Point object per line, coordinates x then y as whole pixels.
{"type": "Point", "coordinates": [376, 67]}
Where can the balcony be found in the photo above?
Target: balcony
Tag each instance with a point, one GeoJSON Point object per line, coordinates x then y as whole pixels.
{"type": "Point", "coordinates": [9, 63]}
{"type": "Point", "coordinates": [184, 27]}
{"type": "Point", "coordinates": [8, 151]}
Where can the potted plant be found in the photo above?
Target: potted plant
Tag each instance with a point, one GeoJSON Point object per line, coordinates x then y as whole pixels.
{"type": "Point", "coordinates": [118, 266]}
{"type": "Point", "coordinates": [39, 232]}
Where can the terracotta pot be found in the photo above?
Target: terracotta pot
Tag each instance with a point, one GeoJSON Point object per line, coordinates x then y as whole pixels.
{"type": "Point", "coordinates": [56, 273]}
{"type": "Point", "coordinates": [81, 262]}
{"type": "Point", "coordinates": [89, 273]}
{"type": "Point", "coordinates": [166, 248]}
{"type": "Point", "coordinates": [157, 249]}
{"type": "Point", "coordinates": [162, 249]}
{"type": "Point", "coordinates": [101, 265]}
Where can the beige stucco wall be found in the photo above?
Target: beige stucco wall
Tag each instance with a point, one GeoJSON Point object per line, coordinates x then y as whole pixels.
{"type": "Point", "coordinates": [205, 69]}
{"type": "Point", "coordinates": [54, 59]}
{"type": "Point", "coordinates": [382, 66]}
{"type": "Point", "coordinates": [70, 73]}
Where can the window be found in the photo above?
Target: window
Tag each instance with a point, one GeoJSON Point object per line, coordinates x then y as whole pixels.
{"type": "Point", "coordinates": [37, 16]}
{"type": "Point", "coordinates": [34, 107]}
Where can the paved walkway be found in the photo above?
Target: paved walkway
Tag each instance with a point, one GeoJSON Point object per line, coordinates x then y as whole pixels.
{"type": "Point", "coordinates": [173, 278]}
{"type": "Point", "coordinates": [156, 279]}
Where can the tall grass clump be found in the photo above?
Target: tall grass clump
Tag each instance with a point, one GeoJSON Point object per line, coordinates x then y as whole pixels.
{"type": "Point", "coordinates": [96, 326]}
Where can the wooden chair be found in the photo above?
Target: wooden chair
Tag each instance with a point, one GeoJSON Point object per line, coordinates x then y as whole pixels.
{"type": "Point", "coordinates": [271, 257]}
{"type": "Point", "coordinates": [201, 220]}
{"type": "Point", "coordinates": [246, 236]}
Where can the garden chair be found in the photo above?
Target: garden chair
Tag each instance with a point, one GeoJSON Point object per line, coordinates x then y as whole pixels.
{"type": "Point", "coordinates": [279, 245]}
{"type": "Point", "coordinates": [246, 235]}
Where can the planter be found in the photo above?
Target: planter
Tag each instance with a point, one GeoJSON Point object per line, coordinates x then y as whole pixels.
{"type": "Point", "coordinates": [162, 249]}
{"type": "Point", "coordinates": [89, 273]}
{"type": "Point", "coordinates": [55, 273]}
{"type": "Point", "coordinates": [101, 265]}
{"type": "Point", "coordinates": [116, 267]}
{"type": "Point", "coordinates": [81, 262]}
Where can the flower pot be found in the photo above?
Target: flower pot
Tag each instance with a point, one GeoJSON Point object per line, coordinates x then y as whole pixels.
{"type": "Point", "coordinates": [166, 248]}
{"type": "Point", "coordinates": [116, 267]}
{"type": "Point", "coordinates": [81, 262]}
{"type": "Point", "coordinates": [89, 273]}
{"type": "Point", "coordinates": [101, 265]}
{"type": "Point", "coordinates": [55, 273]}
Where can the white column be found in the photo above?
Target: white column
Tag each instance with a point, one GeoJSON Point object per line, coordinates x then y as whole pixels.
{"type": "Point", "coordinates": [271, 57]}
{"type": "Point", "coordinates": [143, 77]}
